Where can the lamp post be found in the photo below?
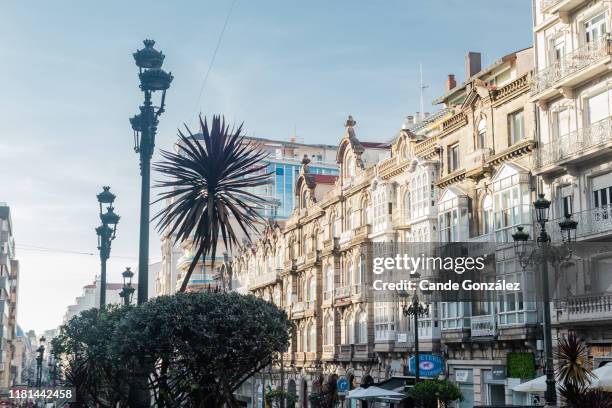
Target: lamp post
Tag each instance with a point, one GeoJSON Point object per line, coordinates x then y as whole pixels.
{"type": "Point", "coordinates": [128, 291]}
{"type": "Point", "coordinates": [39, 360]}
{"type": "Point", "coordinates": [152, 79]}
{"type": "Point", "coordinates": [416, 309]}
{"type": "Point", "coordinates": [106, 233]}
{"type": "Point", "coordinates": [543, 253]}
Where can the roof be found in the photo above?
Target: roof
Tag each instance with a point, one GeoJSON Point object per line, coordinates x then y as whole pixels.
{"type": "Point", "coordinates": [324, 178]}
{"type": "Point", "coordinates": [481, 73]}
{"type": "Point", "coordinates": [198, 136]}
{"type": "Point", "coordinates": [375, 145]}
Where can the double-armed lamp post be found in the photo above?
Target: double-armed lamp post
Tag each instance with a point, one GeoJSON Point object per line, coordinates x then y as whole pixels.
{"type": "Point", "coordinates": [106, 234]}
{"type": "Point", "coordinates": [152, 78]}
{"type": "Point", "coordinates": [416, 309]}
{"type": "Point", "coordinates": [128, 290]}
{"type": "Point", "coordinates": [540, 255]}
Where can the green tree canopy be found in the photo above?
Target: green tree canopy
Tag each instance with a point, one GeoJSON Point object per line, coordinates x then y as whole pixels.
{"type": "Point", "coordinates": [429, 392]}
{"type": "Point", "coordinates": [89, 363]}
{"type": "Point", "coordinates": [203, 346]}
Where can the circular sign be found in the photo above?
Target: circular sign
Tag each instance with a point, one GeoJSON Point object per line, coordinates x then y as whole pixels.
{"type": "Point", "coordinates": [430, 365]}
{"type": "Point", "coordinates": [342, 384]}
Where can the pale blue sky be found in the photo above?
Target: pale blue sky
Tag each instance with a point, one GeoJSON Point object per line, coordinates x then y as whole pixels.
{"type": "Point", "coordinates": [70, 85]}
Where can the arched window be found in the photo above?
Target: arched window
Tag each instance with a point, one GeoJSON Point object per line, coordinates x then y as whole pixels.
{"type": "Point", "coordinates": [312, 288]}
{"type": "Point", "coordinates": [329, 279]}
{"type": "Point", "coordinates": [360, 275]}
{"type": "Point", "coordinates": [362, 329]}
{"type": "Point", "coordinates": [349, 272]}
{"type": "Point", "coordinates": [312, 337]}
{"type": "Point", "coordinates": [304, 199]}
{"type": "Point", "coordinates": [329, 330]}
{"type": "Point", "coordinates": [349, 334]}
{"type": "Point", "coordinates": [481, 134]}
{"type": "Point", "coordinates": [305, 339]}
{"type": "Point", "coordinates": [487, 215]}
{"type": "Point", "coordinates": [407, 205]}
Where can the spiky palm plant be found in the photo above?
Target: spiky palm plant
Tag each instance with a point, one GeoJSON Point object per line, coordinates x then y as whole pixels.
{"type": "Point", "coordinates": [207, 183]}
{"type": "Point", "coordinates": [572, 355]}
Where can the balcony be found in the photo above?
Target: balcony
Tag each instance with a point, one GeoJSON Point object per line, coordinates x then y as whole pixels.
{"type": "Point", "coordinates": [559, 6]}
{"type": "Point", "coordinates": [577, 146]}
{"type": "Point", "coordinates": [346, 236]}
{"type": "Point", "coordinates": [592, 223]}
{"type": "Point", "coordinates": [265, 279]}
{"type": "Point", "coordinates": [344, 352]}
{"type": "Point", "coordinates": [574, 68]}
{"type": "Point", "coordinates": [358, 291]}
{"type": "Point", "coordinates": [362, 232]}
{"type": "Point", "coordinates": [298, 309]}
{"type": "Point", "coordinates": [328, 352]}
{"type": "Point", "coordinates": [301, 260]}
{"type": "Point", "coordinates": [363, 352]}
{"type": "Point", "coordinates": [482, 326]}
{"type": "Point", "coordinates": [475, 162]}
{"type": "Point", "coordinates": [328, 297]}
{"type": "Point", "coordinates": [331, 244]}
{"type": "Point", "coordinates": [342, 292]}
{"type": "Point", "coordinates": [585, 309]}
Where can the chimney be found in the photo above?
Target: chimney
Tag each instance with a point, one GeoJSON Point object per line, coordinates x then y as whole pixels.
{"type": "Point", "coordinates": [450, 82]}
{"type": "Point", "coordinates": [472, 64]}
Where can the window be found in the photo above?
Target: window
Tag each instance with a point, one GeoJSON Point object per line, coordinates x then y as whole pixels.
{"type": "Point", "coordinates": [449, 222]}
{"type": "Point", "coordinates": [384, 324]}
{"type": "Point", "coordinates": [602, 196]}
{"type": "Point", "coordinates": [362, 329]}
{"type": "Point", "coordinates": [329, 331]}
{"type": "Point", "coordinates": [597, 108]}
{"type": "Point", "coordinates": [512, 207]}
{"type": "Point", "coordinates": [329, 279]}
{"type": "Point", "coordinates": [407, 206]}
{"type": "Point", "coordinates": [349, 332]}
{"type": "Point", "coordinates": [481, 137]}
{"type": "Point", "coordinates": [595, 29]}
{"type": "Point", "coordinates": [453, 158]}
{"type": "Point", "coordinates": [350, 167]}
{"type": "Point", "coordinates": [487, 215]}
{"type": "Point", "coordinates": [312, 337]}
{"type": "Point", "coordinates": [312, 289]}
{"type": "Point", "coordinates": [516, 126]}
{"type": "Point", "coordinates": [557, 50]}
{"type": "Point", "coordinates": [561, 126]}
{"type": "Point", "coordinates": [305, 339]}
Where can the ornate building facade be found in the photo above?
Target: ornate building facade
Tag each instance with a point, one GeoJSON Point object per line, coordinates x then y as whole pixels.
{"type": "Point", "coordinates": [572, 90]}
{"type": "Point", "coordinates": [462, 175]}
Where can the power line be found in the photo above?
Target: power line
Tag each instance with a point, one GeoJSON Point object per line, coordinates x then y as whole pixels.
{"type": "Point", "coordinates": [37, 248]}
{"type": "Point", "coordinates": [212, 61]}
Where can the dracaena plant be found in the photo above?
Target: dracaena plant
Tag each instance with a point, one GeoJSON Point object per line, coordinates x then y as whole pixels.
{"type": "Point", "coordinates": [208, 187]}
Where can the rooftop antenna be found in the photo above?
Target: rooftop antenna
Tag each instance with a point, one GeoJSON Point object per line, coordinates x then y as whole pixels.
{"type": "Point", "coordinates": [422, 87]}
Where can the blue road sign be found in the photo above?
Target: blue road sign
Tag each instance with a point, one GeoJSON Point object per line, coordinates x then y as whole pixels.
{"type": "Point", "coordinates": [342, 384]}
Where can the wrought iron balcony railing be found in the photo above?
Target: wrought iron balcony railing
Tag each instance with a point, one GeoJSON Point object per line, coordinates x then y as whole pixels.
{"type": "Point", "coordinates": [573, 144]}
{"type": "Point", "coordinates": [590, 222]}
{"type": "Point", "coordinates": [569, 64]}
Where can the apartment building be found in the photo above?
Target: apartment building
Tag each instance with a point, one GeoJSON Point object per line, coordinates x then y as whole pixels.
{"type": "Point", "coordinates": [572, 91]}
{"type": "Point", "coordinates": [486, 187]}
{"type": "Point", "coordinates": [461, 175]}
{"type": "Point", "coordinates": [9, 285]}
{"type": "Point", "coordinates": [90, 298]}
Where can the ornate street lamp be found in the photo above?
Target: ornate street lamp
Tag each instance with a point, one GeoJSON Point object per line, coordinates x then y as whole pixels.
{"type": "Point", "coordinates": [39, 360]}
{"type": "Point", "coordinates": [415, 309]}
{"type": "Point", "coordinates": [152, 79]}
{"type": "Point", "coordinates": [128, 291]}
{"type": "Point", "coordinates": [106, 234]}
{"type": "Point", "coordinates": [543, 253]}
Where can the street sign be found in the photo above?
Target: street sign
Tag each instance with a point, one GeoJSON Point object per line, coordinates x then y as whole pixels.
{"type": "Point", "coordinates": [342, 385]}
{"type": "Point", "coordinates": [430, 365]}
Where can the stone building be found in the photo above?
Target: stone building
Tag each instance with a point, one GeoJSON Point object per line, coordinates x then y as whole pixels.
{"type": "Point", "coordinates": [572, 89]}
{"type": "Point", "coordinates": [462, 175]}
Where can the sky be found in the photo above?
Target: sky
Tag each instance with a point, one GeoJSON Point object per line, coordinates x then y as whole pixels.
{"type": "Point", "coordinates": [282, 67]}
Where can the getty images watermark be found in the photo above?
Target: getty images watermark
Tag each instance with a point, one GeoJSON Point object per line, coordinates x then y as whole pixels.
{"type": "Point", "coordinates": [435, 267]}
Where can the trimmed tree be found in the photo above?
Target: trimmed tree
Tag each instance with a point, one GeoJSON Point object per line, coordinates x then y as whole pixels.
{"type": "Point", "coordinates": [435, 393]}
{"type": "Point", "coordinates": [88, 362]}
{"type": "Point", "coordinates": [200, 347]}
